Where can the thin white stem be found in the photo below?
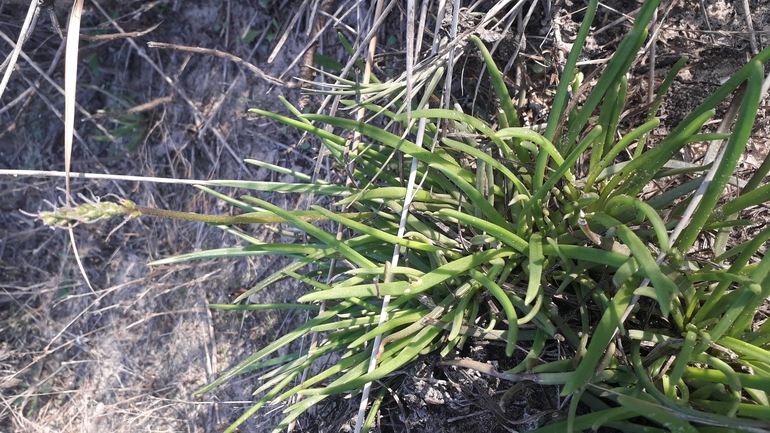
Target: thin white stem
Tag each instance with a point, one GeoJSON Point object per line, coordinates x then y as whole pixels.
{"type": "Point", "coordinates": [356, 137]}
{"type": "Point", "coordinates": [75, 175]}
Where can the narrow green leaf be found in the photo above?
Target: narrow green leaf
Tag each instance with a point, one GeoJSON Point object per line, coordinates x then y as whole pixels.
{"type": "Point", "coordinates": [616, 68]}
{"type": "Point", "coordinates": [505, 302]}
{"type": "Point", "coordinates": [280, 342]}
{"type": "Point", "coordinates": [664, 287]}
{"type": "Point", "coordinates": [209, 254]}
{"type": "Point", "coordinates": [497, 81]}
{"type": "Point", "coordinates": [301, 125]}
{"type": "Point", "coordinates": [530, 135]}
{"type": "Point", "coordinates": [752, 198]}
{"type": "Point", "coordinates": [286, 187]}
{"type": "Point", "coordinates": [733, 150]}
{"type": "Point", "coordinates": [638, 173]}
{"type": "Point", "coordinates": [438, 159]}
{"type": "Point", "coordinates": [605, 330]}
{"type": "Point", "coordinates": [259, 307]}
{"type": "Point", "coordinates": [610, 156]}
{"type": "Point", "coordinates": [656, 414]}
{"type": "Point", "coordinates": [472, 151]}
{"type": "Point", "coordinates": [398, 288]}
{"type": "Point", "coordinates": [534, 288]}
{"type": "Point", "coordinates": [282, 170]}
{"type": "Point", "coordinates": [568, 74]}
{"type": "Point", "coordinates": [379, 234]}
{"type": "Point", "coordinates": [500, 233]}
{"type": "Point", "coordinates": [394, 192]}
{"type": "Point", "coordinates": [657, 222]}
{"type": "Point", "coordinates": [414, 347]}
{"type": "Point", "coordinates": [694, 415]}
{"type": "Point", "coordinates": [341, 246]}
{"type": "Point", "coordinates": [458, 116]}
{"type": "Point", "coordinates": [563, 169]}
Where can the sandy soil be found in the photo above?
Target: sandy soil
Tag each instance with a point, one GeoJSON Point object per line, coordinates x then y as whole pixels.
{"type": "Point", "coordinates": [126, 354]}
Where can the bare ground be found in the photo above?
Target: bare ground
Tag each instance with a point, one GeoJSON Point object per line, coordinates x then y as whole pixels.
{"type": "Point", "coordinates": [128, 353]}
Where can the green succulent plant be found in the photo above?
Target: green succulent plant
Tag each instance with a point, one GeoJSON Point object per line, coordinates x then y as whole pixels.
{"type": "Point", "coordinates": [540, 224]}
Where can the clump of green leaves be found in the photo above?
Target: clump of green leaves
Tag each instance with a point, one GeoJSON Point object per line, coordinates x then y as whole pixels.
{"type": "Point", "coordinates": [509, 216]}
